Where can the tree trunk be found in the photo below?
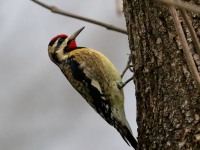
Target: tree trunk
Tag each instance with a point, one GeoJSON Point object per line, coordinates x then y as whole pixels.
{"type": "Point", "coordinates": [168, 102]}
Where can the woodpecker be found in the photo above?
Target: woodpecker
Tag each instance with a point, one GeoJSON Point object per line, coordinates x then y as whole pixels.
{"type": "Point", "coordinates": [95, 78]}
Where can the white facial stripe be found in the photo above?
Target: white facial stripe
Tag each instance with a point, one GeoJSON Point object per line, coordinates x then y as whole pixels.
{"type": "Point", "coordinates": [62, 46]}
{"type": "Point", "coordinates": [59, 49]}
{"type": "Point", "coordinates": [55, 44]}
{"type": "Point", "coordinates": [64, 43]}
{"type": "Point", "coordinates": [52, 48]}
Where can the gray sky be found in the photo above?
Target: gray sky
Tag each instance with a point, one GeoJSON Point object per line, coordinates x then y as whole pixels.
{"type": "Point", "coordinates": [39, 110]}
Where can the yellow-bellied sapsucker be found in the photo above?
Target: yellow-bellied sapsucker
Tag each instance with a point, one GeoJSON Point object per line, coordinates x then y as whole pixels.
{"type": "Point", "coordinates": [95, 78]}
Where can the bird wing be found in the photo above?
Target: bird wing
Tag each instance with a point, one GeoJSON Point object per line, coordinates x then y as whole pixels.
{"type": "Point", "coordinates": [95, 78]}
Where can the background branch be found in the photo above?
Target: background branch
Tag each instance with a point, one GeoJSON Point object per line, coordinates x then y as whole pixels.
{"type": "Point", "coordinates": [56, 10]}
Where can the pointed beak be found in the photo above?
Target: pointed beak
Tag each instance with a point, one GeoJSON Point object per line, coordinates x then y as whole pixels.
{"type": "Point", "coordinates": [73, 36]}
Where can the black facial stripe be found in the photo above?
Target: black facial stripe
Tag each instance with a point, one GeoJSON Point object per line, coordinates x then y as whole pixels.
{"type": "Point", "coordinates": [69, 41]}
{"type": "Point", "coordinates": [101, 105]}
{"type": "Point", "coordinates": [66, 50]}
{"type": "Point", "coordinates": [52, 42]}
{"type": "Point", "coordinates": [55, 57]}
{"type": "Point", "coordinates": [60, 41]}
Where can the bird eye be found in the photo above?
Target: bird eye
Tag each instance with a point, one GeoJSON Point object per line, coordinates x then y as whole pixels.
{"type": "Point", "coordinates": [61, 40]}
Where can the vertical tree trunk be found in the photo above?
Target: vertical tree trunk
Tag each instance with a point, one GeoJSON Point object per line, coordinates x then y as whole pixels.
{"type": "Point", "coordinates": [168, 102]}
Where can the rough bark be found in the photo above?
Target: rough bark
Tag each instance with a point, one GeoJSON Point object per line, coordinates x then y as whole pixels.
{"type": "Point", "coordinates": [168, 103]}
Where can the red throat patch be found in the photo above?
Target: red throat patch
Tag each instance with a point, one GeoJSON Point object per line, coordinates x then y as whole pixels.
{"type": "Point", "coordinates": [72, 45]}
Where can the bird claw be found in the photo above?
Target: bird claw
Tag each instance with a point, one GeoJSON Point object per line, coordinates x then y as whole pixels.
{"type": "Point", "coordinates": [120, 85]}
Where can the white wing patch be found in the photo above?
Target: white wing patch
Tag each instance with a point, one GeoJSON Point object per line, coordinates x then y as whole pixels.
{"type": "Point", "coordinates": [95, 83]}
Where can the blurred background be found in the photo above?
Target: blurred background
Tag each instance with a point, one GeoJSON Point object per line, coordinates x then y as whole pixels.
{"type": "Point", "coordinates": [39, 109]}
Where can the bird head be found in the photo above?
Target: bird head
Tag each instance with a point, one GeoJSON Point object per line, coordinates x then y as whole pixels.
{"type": "Point", "coordinates": [62, 44]}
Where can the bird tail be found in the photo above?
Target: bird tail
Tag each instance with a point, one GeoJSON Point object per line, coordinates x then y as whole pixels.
{"type": "Point", "coordinates": [128, 137]}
